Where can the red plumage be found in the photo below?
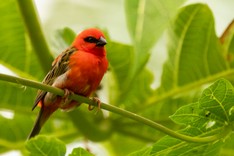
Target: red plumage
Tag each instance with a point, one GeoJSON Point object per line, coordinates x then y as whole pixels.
{"type": "Point", "coordinates": [78, 69]}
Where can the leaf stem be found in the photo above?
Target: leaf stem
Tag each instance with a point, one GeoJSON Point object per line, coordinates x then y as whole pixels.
{"type": "Point", "coordinates": [37, 38]}
{"type": "Point", "coordinates": [111, 108]}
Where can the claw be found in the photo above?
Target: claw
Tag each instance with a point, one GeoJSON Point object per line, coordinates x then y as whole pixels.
{"type": "Point", "coordinates": [65, 99]}
{"type": "Point", "coordinates": [97, 101]}
{"type": "Point", "coordinates": [67, 93]}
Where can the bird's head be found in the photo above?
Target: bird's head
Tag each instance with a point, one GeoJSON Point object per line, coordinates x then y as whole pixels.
{"type": "Point", "coordinates": [91, 40]}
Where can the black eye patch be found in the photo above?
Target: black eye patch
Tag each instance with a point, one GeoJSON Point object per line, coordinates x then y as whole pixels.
{"type": "Point", "coordinates": [90, 39]}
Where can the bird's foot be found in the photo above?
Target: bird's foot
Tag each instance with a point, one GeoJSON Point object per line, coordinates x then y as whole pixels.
{"type": "Point", "coordinates": [97, 101]}
{"type": "Point", "coordinates": [65, 99]}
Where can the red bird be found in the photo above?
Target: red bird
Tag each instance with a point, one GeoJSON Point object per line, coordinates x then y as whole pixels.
{"type": "Point", "coordinates": [79, 69]}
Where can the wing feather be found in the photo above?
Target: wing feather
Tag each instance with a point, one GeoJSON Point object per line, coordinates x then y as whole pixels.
{"type": "Point", "coordinates": [59, 67]}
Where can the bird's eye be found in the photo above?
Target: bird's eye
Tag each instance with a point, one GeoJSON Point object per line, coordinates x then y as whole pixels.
{"type": "Point", "coordinates": [91, 39]}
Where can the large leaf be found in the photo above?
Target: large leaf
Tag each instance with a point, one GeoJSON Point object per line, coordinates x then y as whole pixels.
{"type": "Point", "coordinates": [14, 138]}
{"type": "Point", "coordinates": [42, 145]}
{"type": "Point", "coordinates": [195, 55]}
{"type": "Point", "coordinates": [11, 137]}
{"type": "Point", "coordinates": [120, 57]}
{"type": "Point", "coordinates": [18, 56]}
{"type": "Point", "coordinates": [63, 39]}
{"type": "Point", "coordinates": [139, 92]}
{"type": "Point", "coordinates": [228, 147]}
{"type": "Point", "coordinates": [130, 88]}
{"type": "Point", "coordinates": [167, 100]}
{"type": "Point", "coordinates": [218, 101]}
{"type": "Point", "coordinates": [15, 54]}
{"type": "Point", "coordinates": [146, 20]}
{"type": "Point", "coordinates": [16, 97]}
{"type": "Point", "coordinates": [12, 35]}
{"type": "Point", "coordinates": [92, 126]}
{"type": "Point", "coordinates": [170, 146]}
{"type": "Point", "coordinates": [203, 118]}
{"type": "Point", "coordinates": [194, 49]}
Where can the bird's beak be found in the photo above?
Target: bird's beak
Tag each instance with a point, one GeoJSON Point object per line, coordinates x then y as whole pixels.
{"type": "Point", "coordinates": [101, 42]}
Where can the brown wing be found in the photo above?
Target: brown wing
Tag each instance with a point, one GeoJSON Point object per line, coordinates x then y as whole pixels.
{"type": "Point", "coordinates": [59, 67]}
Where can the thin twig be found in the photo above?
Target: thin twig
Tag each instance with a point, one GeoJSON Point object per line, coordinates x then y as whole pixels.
{"type": "Point", "coordinates": [113, 109]}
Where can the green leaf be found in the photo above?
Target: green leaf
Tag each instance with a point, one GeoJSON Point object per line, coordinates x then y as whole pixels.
{"type": "Point", "coordinates": [93, 126]}
{"type": "Point", "coordinates": [80, 152]}
{"type": "Point", "coordinates": [200, 120]}
{"type": "Point", "coordinates": [214, 110]}
{"type": "Point", "coordinates": [143, 152]}
{"type": "Point", "coordinates": [192, 115]}
{"type": "Point", "coordinates": [42, 145]}
{"type": "Point", "coordinates": [228, 147]}
{"type": "Point", "coordinates": [187, 115]}
{"type": "Point", "coordinates": [8, 132]}
{"type": "Point", "coordinates": [68, 35]}
{"type": "Point", "coordinates": [120, 68]}
{"type": "Point", "coordinates": [63, 38]}
{"type": "Point", "coordinates": [12, 35]}
{"type": "Point", "coordinates": [146, 21]}
{"type": "Point", "coordinates": [218, 100]}
{"type": "Point", "coordinates": [16, 97]}
{"type": "Point", "coordinates": [139, 92]}
{"type": "Point", "coordinates": [10, 136]}
{"type": "Point", "coordinates": [16, 54]}
{"type": "Point", "coordinates": [170, 147]}
{"type": "Point", "coordinates": [194, 50]}
{"type": "Point", "coordinates": [123, 145]}
{"type": "Point", "coordinates": [130, 85]}
{"type": "Point", "coordinates": [203, 118]}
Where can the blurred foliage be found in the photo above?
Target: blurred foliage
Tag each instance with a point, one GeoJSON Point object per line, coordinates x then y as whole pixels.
{"type": "Point", "coordinates": [196, 58]}
{"type": "Point", "coordinates": [211, 114]}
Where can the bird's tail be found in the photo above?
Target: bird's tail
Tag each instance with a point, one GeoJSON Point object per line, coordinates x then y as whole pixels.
{"type": "Point", "coordinates": [42, 117]}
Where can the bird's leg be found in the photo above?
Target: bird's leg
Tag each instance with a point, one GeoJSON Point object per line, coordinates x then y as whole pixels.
{"type": "Point", "coordinates": [97, 101]}
{"type": "Point", "coordinates": [65, 99]}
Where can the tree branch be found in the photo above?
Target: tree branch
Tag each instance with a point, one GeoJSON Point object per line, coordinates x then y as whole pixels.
{"type": "Point", "coordinates": [113, 109]}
